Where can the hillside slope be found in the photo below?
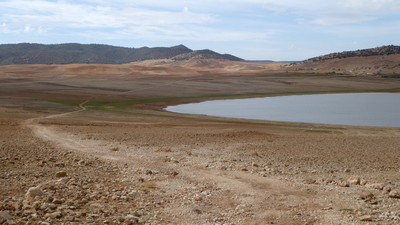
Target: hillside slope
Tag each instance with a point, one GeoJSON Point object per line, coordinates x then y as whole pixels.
{"type": "Point", "coordinates": [384, 61]}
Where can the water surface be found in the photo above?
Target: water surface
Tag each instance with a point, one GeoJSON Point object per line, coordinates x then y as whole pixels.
{"type": "Point", "coordinates": [363, 109]}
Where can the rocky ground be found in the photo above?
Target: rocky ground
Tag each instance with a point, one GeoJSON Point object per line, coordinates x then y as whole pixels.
{"type": "Point", "coordinates": [77, 147]}
{"type": "Point", "coordinates": [100, 168]}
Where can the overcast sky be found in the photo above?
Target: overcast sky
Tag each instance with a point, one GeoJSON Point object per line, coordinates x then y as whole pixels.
{"type": "Point", "coordinates": [251, 29]}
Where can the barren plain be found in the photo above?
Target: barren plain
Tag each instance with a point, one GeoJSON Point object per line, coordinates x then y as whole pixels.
{"type": "Point", "coordinates": [91, 144]}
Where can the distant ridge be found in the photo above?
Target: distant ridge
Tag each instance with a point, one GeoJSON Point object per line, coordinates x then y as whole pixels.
{"type": "Point", "coordinates": [73, 53]}
{"type": "Point", "coordinates": [383, 50]}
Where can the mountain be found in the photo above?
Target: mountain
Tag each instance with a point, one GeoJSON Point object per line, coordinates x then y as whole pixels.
{"type": "Point", "coordinates": [72, 53]}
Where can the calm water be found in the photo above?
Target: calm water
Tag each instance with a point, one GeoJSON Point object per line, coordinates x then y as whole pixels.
{"type": "Point", "coordinates": [365, 109]}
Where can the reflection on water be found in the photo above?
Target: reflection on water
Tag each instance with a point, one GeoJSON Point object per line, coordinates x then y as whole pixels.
{"type": "Point", "coordinates": [365, 109]}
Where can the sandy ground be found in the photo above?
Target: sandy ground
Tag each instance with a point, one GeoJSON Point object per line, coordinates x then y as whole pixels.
{"type": "Point", "coordinates": [78, 164]}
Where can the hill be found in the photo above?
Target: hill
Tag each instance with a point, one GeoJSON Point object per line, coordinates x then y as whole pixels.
{"type": "Point", "coordinates": [379, 51]}
{"type": "Point", "coordinates": [382, 61]}
{"type": "Point", "coordinates": [72, 53]}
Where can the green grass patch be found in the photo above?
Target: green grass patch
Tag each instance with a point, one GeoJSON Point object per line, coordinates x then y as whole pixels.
{"type": "Point", "coordinates": [70, 102]}
{"type": "Point", "coordinates": [390, 76]}
{"type": "Point", "coordinates": [128, 105]}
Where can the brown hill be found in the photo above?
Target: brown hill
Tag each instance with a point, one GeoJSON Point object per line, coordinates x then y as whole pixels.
{"type": "Point", "coordinates": [382, 61]}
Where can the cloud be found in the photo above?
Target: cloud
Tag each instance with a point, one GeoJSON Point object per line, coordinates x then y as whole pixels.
{"type": "Point", "coordinates": [171, 20]}
{"type": "Point", "coordinates": [340, 19]}
{"type": "Point", "coordinates": [4, 28]}
{"type": "Point", "coordinates": [94, 16]}
{"type": "Point", "coordinates": [321, 12]}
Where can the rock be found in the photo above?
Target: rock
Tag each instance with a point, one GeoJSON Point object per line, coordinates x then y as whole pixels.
{"type": "Point", "coordinates": [131, 219]}
{"type": "Point", "coordinates": [58, 201]}
{"type": "Point", "coordinates": [394, 194]}
{"type": "Point", "coordinates": [347, 170]}
{"type": "Point", "coordinates": [343, 184]}
{"type": "Point", "coordinates": [54, 215]}
{"type": "Point", "coordinates": [378, 186]}
{"type": "Point", "coordinates": [366, 218]}
{"type": "Point", "coordinates": [363, 182]}
{"type": "Point", "coordinates": [60, 174]}
{"type": "Point", "coordinates": [254, 164]}
{"type": "Point", "coordinates": [310, 181]}
{"type": "Point", "coordinates": [174, 173]}
{"type": "Point", "coordinates": [354, 180]}
{"type": "Point", "coordinates": [387, 189]}
{"type": "Point", "coordinates": [4, 215]}
{"type": "Point", "coordinates": [367, 196]}
{"type": "Point", "coordinates": [33, 192]}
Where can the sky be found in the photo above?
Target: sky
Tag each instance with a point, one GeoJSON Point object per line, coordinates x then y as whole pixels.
{"type": "Point", "coordinates": [280, 30]}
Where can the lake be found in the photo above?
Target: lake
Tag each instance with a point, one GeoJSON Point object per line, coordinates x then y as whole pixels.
{"type": "Point", "coordinates": [360, 109]}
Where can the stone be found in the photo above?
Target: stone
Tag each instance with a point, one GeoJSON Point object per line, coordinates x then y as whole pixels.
{"type": "Point", "coordinates": [367, 196]}
{"type": "Point", "coordinates": [344, 184]}
{"type": "Point", "coordinates": [387, 189]}
{"type": "Point", "coordinates": [378, 186]}
{"type": "Point", "coordinates": [366, 218]}
{"type": "Point", "coordinates": [60, 174]}
{"type": "Point", "coordinates": [33, 192]}
{"type": "Point", "coordinates": [363, 182]}
{"type": "Point", "coordinates": [58, 201]}
{"type": "Point", "coordinates": [4, 215]}
{"type": "Point", "coordinates": [54, 215]}
{"type": "Point", "coordinates": [354, 180]}
{"type": "Point", "coordinates": [394, 194]}
{"type": "Point", "coordinates": [131, 219]}
{"type": "Point", "coordinates": [310, 181]}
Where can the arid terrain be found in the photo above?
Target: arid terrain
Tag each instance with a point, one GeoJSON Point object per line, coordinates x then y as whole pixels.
{"type": "Point", "coordinates": [90, 144]}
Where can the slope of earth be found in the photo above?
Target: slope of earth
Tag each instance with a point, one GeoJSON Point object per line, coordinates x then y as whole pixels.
{"type": "Point", "coordinates": [382, 65]}
{"type": "Point", "coordinates": [83, 144]}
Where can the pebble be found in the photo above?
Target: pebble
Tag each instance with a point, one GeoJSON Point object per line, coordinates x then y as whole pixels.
{"type": "Point", "coordinates": [367, 196]}
{"type": "Point", "coordinates": [366, 218]}
{"type": "Point", "coordinates": [354, 180]}
{"type": "Point", "coordinates": [5, 215]}
{"type": "Point", "coordinates": [363, 182]}
{"type": "Point", "coordinates": [54, 215]}
{"type": "Point", "coordinates": [344, 184]}
{"type": "Point", "coordinates": [387, 189]}
{"type": "Point", "coordinates": [131, 219]}
{"type": "Point", "coordinates": [394, 194]}
{"type": "Point", "coordinates": [378, 186]}
{"type": "Point", "coordinates": [58, 201]}
{"type": "Point", "coordinates": [33, 192]}
{"type": "Point", "coordinates": [60, 174]}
